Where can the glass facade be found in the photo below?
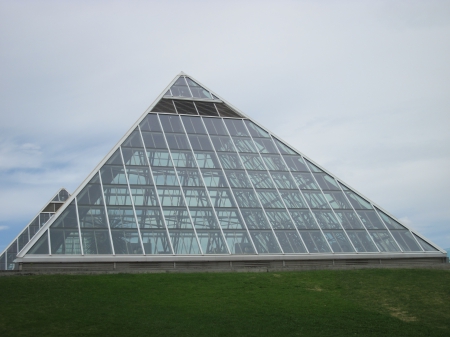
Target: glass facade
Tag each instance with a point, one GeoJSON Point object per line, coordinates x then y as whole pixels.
{"type": "Point", "coordinates": [195, 177]}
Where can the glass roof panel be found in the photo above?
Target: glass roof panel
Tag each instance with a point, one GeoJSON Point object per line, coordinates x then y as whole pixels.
{"type": "Point", "coordinates": [425, 245]}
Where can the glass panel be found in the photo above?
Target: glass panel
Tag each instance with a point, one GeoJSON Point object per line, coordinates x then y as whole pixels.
{"type": "Point", "coordinates": [425, 245]}
{"type": "Point", "coordinates": [177, 218]}
{"type": "Point", "coordinates": [165, 105]}
{"type": "Point", "coordinates": [204, 218]}
{"type": "Point", "coordinates": [229, 219]}
{"type": "Point", "coordinates": [198, 91]}
{"type": "Point", "coordinates": [68, 218]}
{"type": "Point", "coordinates": [121, 217]}
{"type": "Point", "coordinates": [165, 177]}
{"type": "Point", "coordinates": [139, 176]}
{"type": "Point", "coordinates": [149, 218]}
{"type": "Point", "coordinates": [304, 219]}
{"type": "Point", "coordinates": [313, 167]}
{"type": "Point", "coordinates": [193, 125]}
{"type": "Point", "coordinates": [41, 245]}
{"type": "Point", "coordinates": [184, 242]}
{"type": "Point", "coordinates": [223, 143]}
{"type": "Point", "coordinates": [290, 242]}
{"type": "Point", "coordinates": [180, 88]}
{"type": "Point", "coordinates": [212, 242]}
{"type": "Point", "coordinates": [349, 219]}
{"type": "Point", "coordinates": [384, 241]}
{"type": "Point", "coordinates": [196, 197]}
{"type": "Point", "coordinates": [159, 158]}
{"type": "Point", "coordinates": [305, 181]}
{"type": "Point", "coordinates": [236, 127]}
{"type": "Point", "coordinates": [337, 200]}
{"type": "Point", "coordinates": [117, 195]}
{"type": "Point", "coordinates": [112, 175]}
{"type": "Point", "coordinates": [280, 219]}
{"type": "Point", "coordinates": [63, 195]}
{"type": "Point", "coordinates": [238, 242]}
{"type": "Point", "coordinates": [156, 242]}
{"type": "Point", "coordinates": [221, 198]}
{"type": "Point", "coordinates": [246, 198]}
{"type": "Point", "coordinates": [252, 162]}
{"type": "Point", "coordinates": [177, 142]}
{"type": "Point", "coordinates": [170, 197]}
{"type": "Point", "coordinates": [206, 109]}
{"type": "Point", "coordinates": [326, 182]}
{"type": "Point", "coordinates": [315, 242]}
{"type": "Point", "coordinates": [238, 179]}
{"type": "Point", "coordinates": [293, 199]}
{"type": "Point", "coordinates": [154, 140]}
{"type": "Point", "coordinates": [245, 145]}
{"type": "Point", "coordinates": [362, 241]}
{"type": "Point", "coordinates": [406, 241]}
{"type": "Point", "coordinates": [270, 199]}
{"type": "Point", "coordinates": [327, 219]}
{"type": "Point", "coordinates": [214, 178]}
{"type": "Point", "coordinates": [265, 242]}
{"type": "Point", "coordinates": [185, 107]}
{"type": "Point", "coordinates": [274, 163]}
{"type": "Point", "coordinates": [189, 177]}
{"type": "Point", "coordinates": [390, 222]}
{"type": "Point", "coordinates": [133, 140]}
{"type": "Point", "coordinates": [315, 199]}
{"type": "Point", "coordinates": [126, 241]}
{"type": "Point", "coordinates": [261, 179]}
{"type": "Point", "coordinates": [134, 157]}
{"type": "Point", "coordinates": [370, 220]}
{"type": "Point", "coordinates": [11, 255]}
{"type": "Point", "coordinates": [144, 196]}
{"type": "Point", "coordinates": [255, 219]}
{"type": "Point", "coordinates": [3, 262]}
{"type": "Point", "coordinates": [357, 201]}
{"type": "Point", "coordinates": [338, 241]}
{"type": "Point", "coordinates": [215, 126]}
{"type": "Point", "coordinates": [265, 145]}
{"type": "Point", "coordinates": [92, 216]}
{"type": "Point", "coordinates": [23, 239]}
{"type": "Point", "coordinates": [150, 123]}
{"type": "Point", "coordinates": [96, 241]}
{"type": "Point", "coordinates": [115, 159]}
{"type": "Point", "coordinates": [255, 130]}
{"type": "Point", "coordinates": [34, 227]}
{"type": "Point", "coordinates": [230, 161]}
{"type": "Point", "coordinates": [284, 149]}
{"type": "Point", "coordinates": [200, 143]}
{"type": "Point", "coordinates": [207, 160]}
{"type": "Point", "coordinates": [295, 163]}
{"type": "Point", "coordinates": [44, 217]}
{"type": "Point", "coordinates": [283, 180]}
{"type": "Point", "coordinates": [65, 241]}
{"type": "Point", "coordinates": [171, 123]}
{"type": "Point", "coordinates": [183, 159]}
{"type": "Point", "coordinates": [226, 111]}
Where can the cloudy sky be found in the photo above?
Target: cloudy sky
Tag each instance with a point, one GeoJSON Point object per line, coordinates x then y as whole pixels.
{"type": "Point", "coordinates": [361, 87]}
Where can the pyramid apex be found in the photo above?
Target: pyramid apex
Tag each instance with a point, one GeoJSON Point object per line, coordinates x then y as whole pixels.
{"type": "Point", "coordinates": [182, 73]}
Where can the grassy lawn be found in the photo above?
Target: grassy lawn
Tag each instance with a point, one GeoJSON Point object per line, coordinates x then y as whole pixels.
{"type": "Point", "coordinates": [314, 303]}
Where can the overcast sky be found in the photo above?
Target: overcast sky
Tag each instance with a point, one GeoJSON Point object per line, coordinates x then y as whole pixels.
{"type": "Point", "coordinates": [361, 87]}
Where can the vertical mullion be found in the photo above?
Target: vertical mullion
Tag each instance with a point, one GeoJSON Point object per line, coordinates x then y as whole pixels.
{"type": "Point", "coordinates": [304, 199]}
{"type": "Point", "coordinates": [276, 187]}
{"type": "Point", "coordinates": [229, 186]}
{"type": "Point", "coordinates": [357, 216]}
{"type": "Point", "coordinates": [179, 183]}
{"type": "Point", "coordinates": [207, 192]}
{"type": "Point", "coordinates": [106, 212]}
{"type": "Point", "coordinates": [156, 191]}
{"type": "Point", "coordinates": [332, 210]}
{"type": "Point", "coordinates": [131, 198]}
{"type": "Point", "coordinates": [254, 190]}
{"type": "Point", "coordinates": [79, 226]}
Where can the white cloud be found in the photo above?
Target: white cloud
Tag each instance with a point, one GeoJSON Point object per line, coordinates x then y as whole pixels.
{"type": "Point", "coordinates": [2, 228]}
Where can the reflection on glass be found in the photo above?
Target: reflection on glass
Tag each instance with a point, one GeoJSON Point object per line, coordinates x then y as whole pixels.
{"type": "Point", "coordinates": [64, 241]}
{"type": "Point", "coordinates": [155, 242]}
{"type": "Point", "coordinates": [303, 219]}
{"type": "Point", "coordinates": [290, 242]}
{"type": "Point", "coordinates": [265, 242]}
{"type": "Point", "coordinates": [255, 219]}
{"type": "Point", "coordinates": [126, 242]}
{"type": "Point", "coordinates": [362, 241]}
{"type": "Point", "coordinates": [338, 241]}
{"type": "Point", "coordinates": [315, 242]}
{"type": "Point", "coordinates": [238, 242]}
{"type": "Point", "coordinates": [406, 241]}
{"type": "Point", "coordinates": [184, 242]}
{"type": "Point", "coordinates": [96, 241]}
{"type": "Point", "coordinates": [212, 242]}
{"type": "Point", "coordinates": [280, 219]}
{"type": "Point", "coordinates": [384, 241]}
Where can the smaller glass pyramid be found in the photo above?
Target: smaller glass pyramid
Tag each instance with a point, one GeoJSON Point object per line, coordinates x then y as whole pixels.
{"type": "Point", "coordinates": [8, 256]}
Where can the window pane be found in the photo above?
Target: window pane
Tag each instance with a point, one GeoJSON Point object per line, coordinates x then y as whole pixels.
{"type": "Point", "coordinates": [255, 219]}
{"type": "Point", "coordinates": [134, 157]}
{"type": "Point", "coordinates": [384, 241]}
{"type": "Point", "coordinates": [92, 216]}
{"type": "Point", "coordinates": [215, 126]}
{"type": "Point", "coordinates": [207, 160]}
{"type": "Point", "coordinates": [144, 196]}
{"type": "Point", "coordinates": [41, 246]}
{"type": "Point", "coordinates": [68, 218]}
{"type": "Point", "coordinates": [118, 195]}
{"type": "Point", "coordinates": [245, 145]}
{"type": "Point", "coordinates": [390, 222]}
{"type": "Point", "coordinates": [204, 218]}
{"type": "Point", "coordinates": [183, 159]}
{"type": "Point", "coordinates": [189, 177]}
{"type": "Point", "coordinates": [326, 182]}
{"type": "Point", "coordinates": [265, 242]}
{"type": "Point", "coordinates": [196, 197]}
{"type": "Point", "coordinates": [337, 200]}
{"type": "Point", "coordinates": [295, 163]}
{"type": "Point", "coordinates": [185, 107]}
{"type": "Point", "coordinates": [362, 241]}
{"type": "Point", "coordinates": [223, 144]}
{"type": "Point", "coordinates": [177, 142]}
{"type": "Point", "coordinates": [159, 158]}
{"type": "Point", "coordinates": [113, 175]}
{"type": "Point", "coordinates": [305, 181]}
{"type": "Point", "coordinates": [221, 198]}
{"type": "Point", "coordinates": [133, 140]}
{"type": "Point", "coordinates": [200, 143]}
{"type": "Point", "coordinates": [193, 125]}
{"type": "Point", "coordinates": [284, 149]}
{"type": "Point", "coordinates": [121, 217]}
{"type": "Point", "coordinates": [406, 241]}
{"type": "Point", "coordinates": [252, 162]}
{"type": "Point", "coordinates": [115, 159]}
{"type": "Point", "coordinates": [270, 199]}
{"type": "Point", "coordinates": [370, 220]}
{"type": "Point", "coordinates": [214, 178]}
{"type": "Point", "coordinates": [255, 130]}
{"type": "Point", "coordinates": [283, 180]}
{"type": "Point", "coordinates": [149, 218]}
{"type": "Point", "coordinates": [425, 245]}
{"type": "Point", "coordinates": [315, 199]}
{"type": "Point", "coordinates": [170, 197]}
{"type": "Point", "coordinates": [91, 194]}
{"type": "Point", "coordinates": [150, 123]}
{"type": "Point", "coordinates": [238, 242]}
{"type": "Point", "coordinates": [155, 242]}
{"type": "Point", "coordinates": [280, 219]}
{"type": "Point", "coordinates": [184, 242]}
{"type": "Point", "coordinates": [230, 161]}
{"type": "Point", "coordinates": [327, 219]}
{"type": "Point", "coordinates": [229, 219]}
{"type": "Point", "coordinates": [304, 219]}
{"type": "Point", "coordinates": [290, 242]}
{"type": "Point", "coordinates": [139, 176]}
{"type": "Point", "coordinates": [357, 201]}
{"type": "Point", "coordinates": [261, 179]}
{"type": "Point", "coordinates": [96, 241]}
{"type": "Point", "coordinates": [338, 241]}
{"type": "Point", "coordinates": [246, 198]}
{"type": "Point", "coordinates": [274, 163]}
{"type": "Point", "coordinates": [212, 242]}
{"type": "Point", "coordinates": [126, 241]}
{"type": "Point", "coordinates": [171, 123]}
{"type": "Point", "coordinates": [236, 127]}
{"type": "Point", "coordinates": [154, 140]}
{"type": "Point", "coordinates": [65, 241]}
{"type": "Point", "coordinates": [315, 242]}
{"type": "Point", "coordinates": [349, 219]}
{"type": "Point", "coordinates": [177, 218]}
{"type": "Point", "coordinates": [265, 145]}
{"type": "Point", "coordinates": [238, 179]}
{"type": "Point", "coordinates": [165, 177]}
{"type": "Point", "coordinates": [206, 109]}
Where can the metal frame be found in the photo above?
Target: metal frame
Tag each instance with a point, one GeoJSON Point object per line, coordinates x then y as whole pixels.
{"type": "Point", "coordinates": [148, 110]}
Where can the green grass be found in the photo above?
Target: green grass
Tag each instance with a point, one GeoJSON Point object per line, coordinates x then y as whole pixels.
{"type": "Point", "coordinates": [368, 302]}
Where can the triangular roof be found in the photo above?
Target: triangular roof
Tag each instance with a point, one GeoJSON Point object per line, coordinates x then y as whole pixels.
{"type": "Point", "coordinates": [9, 254]}
{"type": "Point", "coordinates": [195, 177]}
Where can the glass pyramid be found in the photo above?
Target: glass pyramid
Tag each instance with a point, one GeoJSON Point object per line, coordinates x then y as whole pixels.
{"type": "Point", "coordinates": [196, 178]}
{"type": "Point", "coordinates": [8, 256]}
